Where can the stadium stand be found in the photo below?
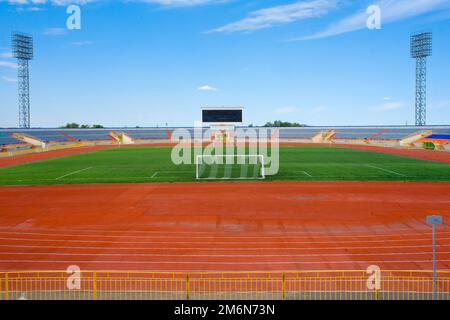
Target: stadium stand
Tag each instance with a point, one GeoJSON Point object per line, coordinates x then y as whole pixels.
{"type": "Point", "coordinates": [364, 133]}
{"type": "Point", "coordinates": [58, 135]}
{"type": "Point", "coordinates": [88, 134]}
{"type": "Point", "coordinates": [155, 133]}
{"type": "Point", "coordinates": [45, 135]}
{"type": "Point", "coordinates": [299, 133]}
{"type": "Point", "coordinates": [7, 139]}
{"type": "Point", "coordinates": [439, 136]}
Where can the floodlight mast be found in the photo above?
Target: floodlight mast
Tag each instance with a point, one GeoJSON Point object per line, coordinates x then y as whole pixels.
{"type": "Point", "coordinates": [22, 49]}
{"type": "Point", "coordinates": [421, 48]}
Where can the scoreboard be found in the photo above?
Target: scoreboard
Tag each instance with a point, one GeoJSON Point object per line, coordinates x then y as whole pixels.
{"type": "Point", "coordinates": [222, 115]}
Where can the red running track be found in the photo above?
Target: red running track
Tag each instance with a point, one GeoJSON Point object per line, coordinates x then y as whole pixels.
{"type": "Point", "coordinates": [223, 226]}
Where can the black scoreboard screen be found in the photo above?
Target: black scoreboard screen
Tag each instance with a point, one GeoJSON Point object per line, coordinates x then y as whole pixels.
{"type": "Point", "coordinates": [221, 116]}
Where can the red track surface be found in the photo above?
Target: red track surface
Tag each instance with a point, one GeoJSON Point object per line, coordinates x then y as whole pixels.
{"type": "Point", "coordinates": [440, 156]}
{"type": "Point", "coordinates": [223, 226]}
{"type": "Point", "coordinates": [31, 157]}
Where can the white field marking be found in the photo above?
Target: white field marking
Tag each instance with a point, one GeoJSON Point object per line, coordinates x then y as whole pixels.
{"type": "Point", "coordinates": [216, 237]}
{"type": "Point", "coordinates": [154, 175]}
{"type": "Point", "coordinates": [264, 263]}
{"type": "Point", "coordinates": [386, 170]}
{"type": "Point", "coordinates": [284, 242]}
{"type": "Point", "coordinates": [92, 178]}
{"type": "Point", "coordinates": [74, 172]}
{"type": "Point", "coordinates": [223, 249]}
{"type": "Point", "coordinates": [217, 255]}
{"type": "Point", "coordinates": [306, 173]}
{"type": "Point", "coordinates": [277, 234]}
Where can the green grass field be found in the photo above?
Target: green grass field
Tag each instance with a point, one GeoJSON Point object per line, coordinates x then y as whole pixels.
{"type": "Point", "coordinates": [153, 164]}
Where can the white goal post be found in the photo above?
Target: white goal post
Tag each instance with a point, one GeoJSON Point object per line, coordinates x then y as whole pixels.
{"type": "Point", "coordinates": [240, 161]}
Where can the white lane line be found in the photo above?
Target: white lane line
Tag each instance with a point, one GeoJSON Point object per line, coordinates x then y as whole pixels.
{"type": "Point", "coordinates": [386, 170]}
{"type": "Point", "coordinates": [74, 172]}
{"type": "Point", "coordinates": [219, 255]}
{"type": "Point", "coordinates": [312, 238]}
{"type": "Point", "coordinates": [352, 248]}
{"type": "Point", "coordinates": [154, 175]}
{"type": "Point", "coordinates": [276, 234]}
{"type": "Point", "coordinates": [284, 242]}
{"type": "Point", "coordinates": [264, 263]}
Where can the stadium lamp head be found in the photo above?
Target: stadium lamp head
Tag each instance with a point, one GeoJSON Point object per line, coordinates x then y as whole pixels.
{"type": "Point", "coordinates": [22, 46]}
{"type": "Point", "coordinates": [421, 45]}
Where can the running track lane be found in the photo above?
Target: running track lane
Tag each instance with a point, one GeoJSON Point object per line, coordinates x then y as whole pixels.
{"type": "Point", "coordinates": [223, 226]}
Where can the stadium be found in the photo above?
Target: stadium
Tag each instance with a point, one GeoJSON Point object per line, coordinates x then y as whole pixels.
{"type": "Point", "coordinates": [223, 210]}
{"type": "Point", "coordinates": [344, 198]}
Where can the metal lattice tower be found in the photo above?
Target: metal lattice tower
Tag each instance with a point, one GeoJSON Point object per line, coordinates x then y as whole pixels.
{"type": "Point", "coordinates": [420, 49]}
{"type": "Point", "coordinates": [23, 51]}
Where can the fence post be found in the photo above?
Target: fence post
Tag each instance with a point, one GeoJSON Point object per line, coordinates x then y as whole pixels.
{"type": "Point", "coordinates": [283, 286]}
{"type": "Point", "coordinates": [94, 285]}
{"type": "Point", "coordinates": [6, 287]}
{"type": "Point", "coordinates": [377, 294]}
{"type": "Point", "coordinates": [187, 286]}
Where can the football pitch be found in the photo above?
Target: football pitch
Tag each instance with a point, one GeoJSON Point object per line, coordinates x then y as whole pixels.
{"type": "Point", "coordinates": [153, 164]}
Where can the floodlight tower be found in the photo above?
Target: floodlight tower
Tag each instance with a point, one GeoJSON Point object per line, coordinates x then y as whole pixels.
{"type": "Point", "coordinates": [22, 45]}
{"type": "Point", "coordinates": [420, 50]}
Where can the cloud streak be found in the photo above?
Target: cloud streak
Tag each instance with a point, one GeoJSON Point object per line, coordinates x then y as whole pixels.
{"type": "Point", "coordinates": [165, 3]}
{"type": "Point", "coordinates": [180, 3]}
{"type": "Point", "coordinates": [9, 79]}
{"type": "Point", "coordinates": [387, 106]}
{"type": "Point", "coordinates": [8, 64]}
{"type": "Point", "coordinates": [54, 32]}
{"type": "Point", "coordinates": [43, 2]}
{"type": "Point", "coordinates": [206, 88]}
{"type": "Point", "coordinates": [269, 17]}
{"type": "Point", "coordinates": [391, 11]}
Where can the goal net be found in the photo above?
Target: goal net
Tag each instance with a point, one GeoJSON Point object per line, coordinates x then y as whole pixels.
{"type": "Point", "coordinates": [230, 167]}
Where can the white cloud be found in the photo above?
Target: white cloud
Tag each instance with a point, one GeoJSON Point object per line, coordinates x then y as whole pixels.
{"type": "Point", "coordinates": [81, 43]}
{"type": "Point", "coordinates": [30, 9]}
{"type": "Point", "coordinates": [9, 79]}
{"type": "Point", "coordinates": [387, 98]}
{"type": "Point", "coordinates": [167, 3]}
{"type": "Point", "coordinates": [8, 64]}
{"type": "Point", "coordinates": [42, 2]}
{"type": "Point", "coordinates": [180, 3]}
{"type": "Point", "coordinates": [268, 17]}
{"type": "Point", "coordinates": [206, 88]}
{"type": "Point", "coordinates": [285, 110]}
{"type": "Point", "coordinates": [54, 31]}
{"type": "Point", "coordinates": [391, 11]}
{"type": "Point", "coordinates": [7, 55]}
{"type": "Point", "coordinates": [318, 109]}
{"type": "Point", "coordinates": [389, 106]}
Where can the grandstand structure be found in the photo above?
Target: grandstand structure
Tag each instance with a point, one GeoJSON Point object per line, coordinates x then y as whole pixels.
{"type": "Point", "coordinates": [16, 141]}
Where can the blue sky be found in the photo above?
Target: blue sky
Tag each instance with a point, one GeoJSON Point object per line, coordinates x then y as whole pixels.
{"type": "Point", "coordinates": [153, 62]}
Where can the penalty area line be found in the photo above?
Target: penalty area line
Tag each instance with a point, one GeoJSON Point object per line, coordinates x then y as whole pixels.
{"type": "Point", "coordinates": [307, 174]}
{"type": "Point", "coordinates": [74, 172]}
{"type": "Point", "coordinates": [386, 170]}
{"type": "Point", "coordinates": [154, 175]}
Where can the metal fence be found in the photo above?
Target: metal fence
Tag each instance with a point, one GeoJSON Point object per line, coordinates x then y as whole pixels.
{"type": "Point", "coordinates": [303, 285]}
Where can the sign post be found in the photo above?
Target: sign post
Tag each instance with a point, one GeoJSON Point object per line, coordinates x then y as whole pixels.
{"type": "Point", "coordinates": [434, 220]}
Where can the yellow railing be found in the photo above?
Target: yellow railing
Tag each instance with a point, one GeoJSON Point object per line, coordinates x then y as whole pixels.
{"type": "Point", "coordinates": [302, 285]}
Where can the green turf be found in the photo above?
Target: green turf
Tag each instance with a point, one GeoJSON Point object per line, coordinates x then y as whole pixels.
{"type": "Point", "coordinates": [153, 164]}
